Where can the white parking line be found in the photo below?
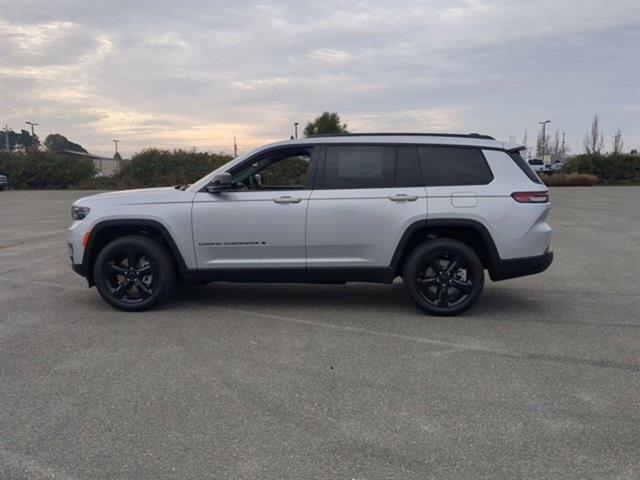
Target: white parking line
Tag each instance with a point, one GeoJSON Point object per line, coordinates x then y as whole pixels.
{"type": "Point", "coordinates": [344, 328]}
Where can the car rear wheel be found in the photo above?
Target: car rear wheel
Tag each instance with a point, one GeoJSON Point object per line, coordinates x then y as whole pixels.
{"type": "Point", "coordinates": [134, 273]}
{"type": "Point", "coordinates": [443, 277]}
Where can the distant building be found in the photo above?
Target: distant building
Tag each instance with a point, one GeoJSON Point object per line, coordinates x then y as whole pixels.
{"type": "Point", "coordinates": [106, 166]}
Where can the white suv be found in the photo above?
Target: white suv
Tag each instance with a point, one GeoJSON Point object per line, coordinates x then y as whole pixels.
{"type": "Point", "coordinates": [434, 209]}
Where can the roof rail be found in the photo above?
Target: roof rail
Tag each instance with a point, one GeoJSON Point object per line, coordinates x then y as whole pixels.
{"type": "Point", "coordinates": [387, 134]}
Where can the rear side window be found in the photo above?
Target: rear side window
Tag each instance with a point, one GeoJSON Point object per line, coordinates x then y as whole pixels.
{"type": "Point", "coordinates": [359, 166]}
{"type": "Point", "coordinates": [526, 169]}
{"type": "Point", "coordinates": [444, 166]}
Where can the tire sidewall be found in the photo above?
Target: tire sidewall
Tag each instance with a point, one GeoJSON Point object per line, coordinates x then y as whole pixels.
{"type": "Point", "coordinates": [416, 261]}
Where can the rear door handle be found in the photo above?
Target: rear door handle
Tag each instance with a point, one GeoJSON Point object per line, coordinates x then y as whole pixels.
{"type": "Point", "coordinates": [403, 197]}
{"type": "Point", "coordinates": [287, 199]}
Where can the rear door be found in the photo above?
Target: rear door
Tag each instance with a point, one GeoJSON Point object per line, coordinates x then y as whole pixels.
{"type": "Point", "coordinates": [365, 198]}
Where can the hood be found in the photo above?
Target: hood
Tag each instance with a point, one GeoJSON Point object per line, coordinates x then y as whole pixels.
{"type": "Point", "coordinates": [137, 196]}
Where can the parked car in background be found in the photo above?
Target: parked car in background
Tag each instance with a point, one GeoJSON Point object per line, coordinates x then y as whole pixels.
{"type": "Point", "coordinates": [556, 167]}
{"type": "Point", "coordinates": [4, 182]}
{"type": "Point", "coordinates": [539, 166]}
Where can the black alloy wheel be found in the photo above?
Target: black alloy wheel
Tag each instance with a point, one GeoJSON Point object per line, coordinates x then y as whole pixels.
{"type": "Point", "coordinates": [444, 277]}
{"type": "Point", "coordinates": [134, 273]}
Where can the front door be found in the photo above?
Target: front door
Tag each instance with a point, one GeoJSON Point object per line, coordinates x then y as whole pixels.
{"type": "Point", "coordinates": [261, 222]}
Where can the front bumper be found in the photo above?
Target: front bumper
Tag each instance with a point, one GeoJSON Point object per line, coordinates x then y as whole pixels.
{"type": "Point", "coordinates": [79, 269]}
{"type": "Point", "coordinates": [520, 267]}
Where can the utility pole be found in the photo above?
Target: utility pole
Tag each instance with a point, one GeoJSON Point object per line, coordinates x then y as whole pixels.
{"type": "Point", "coordinates": [32, 125]}
{"type": "Point", "coordinates": [116, 144]}
{"type": "Point", "coordinates": [544, 137]}
{"type": "Point", "coordinates": [295, 126]}
{"type": "Point", "coordinates": [235, 147]}
{"type": "Point", "coordinates": [562, 150]}
{"type": "Point", "coordinates": [36, 142]}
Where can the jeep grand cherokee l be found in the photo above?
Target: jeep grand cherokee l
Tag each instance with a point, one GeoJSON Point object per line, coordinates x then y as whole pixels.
{"type": "Point", "coordinates": [436, 210]}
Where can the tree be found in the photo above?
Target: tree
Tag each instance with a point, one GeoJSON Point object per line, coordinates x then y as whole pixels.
{"type": "Point", "coordinates": [324, 124]}
{"type": "Point", "coordinates": [617, 142]}
{"type": "Point", "coordinates": [542, 144]}
{"type": "Point", "coordinates": [556, 146]}
{"type": "Point", "coordinates": [56, 143]}
{"type": "Point", "coordinates": [594, 140]}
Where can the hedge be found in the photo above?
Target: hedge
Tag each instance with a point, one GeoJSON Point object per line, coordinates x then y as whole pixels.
{"type": "Point", "coordinates": [154, 167]}
{"type": "Point", "coordinates": [610, 169]}
{"type": "Point", "coordinates": [569, 180]}
{"type": "Point", "coordinates": [42, 170]}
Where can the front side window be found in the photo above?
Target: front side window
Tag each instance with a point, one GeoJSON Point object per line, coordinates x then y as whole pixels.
{"type": "Point", "coordinates": [283, 170]}
{"type": "Point", "coordinates": [358, 166]}
{"type": "Point", "coordinates": [448, 166]}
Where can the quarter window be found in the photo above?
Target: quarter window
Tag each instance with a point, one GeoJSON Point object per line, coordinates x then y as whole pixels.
{"type": "Point", "coordinates": [444, 166]}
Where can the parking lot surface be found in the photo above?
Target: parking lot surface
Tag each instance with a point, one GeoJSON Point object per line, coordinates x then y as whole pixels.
{"type": "Point", "coordinates": [540, 380]}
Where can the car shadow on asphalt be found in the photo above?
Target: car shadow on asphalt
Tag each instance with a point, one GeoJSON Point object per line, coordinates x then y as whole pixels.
{"type": "Point", "coordinates": [393, 299]}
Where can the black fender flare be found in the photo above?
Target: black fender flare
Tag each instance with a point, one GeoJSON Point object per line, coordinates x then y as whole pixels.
{"type": "Point", "coordinates": [494, 256]}
{"type": "Point", "coordinates": [90, 250]}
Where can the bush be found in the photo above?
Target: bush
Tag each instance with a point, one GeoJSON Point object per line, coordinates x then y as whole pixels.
{"type": "Point", "coordinates": [611, 169]}
{"type": "Point", "coordinates": [569, 180]}
{"type": "Point", "coordinates": [153, 167]}
{"type": "Point", "coordinates": [42, 170]}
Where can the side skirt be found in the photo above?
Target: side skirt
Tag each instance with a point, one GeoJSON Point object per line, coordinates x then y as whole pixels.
{"type": "Point", "coordinates": [292, 275]}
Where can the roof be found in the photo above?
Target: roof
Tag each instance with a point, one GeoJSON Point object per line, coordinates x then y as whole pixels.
{"type": "Point", "coordinates": [409, 134]}
{"type": "Point", "coordinates": [471, 139]}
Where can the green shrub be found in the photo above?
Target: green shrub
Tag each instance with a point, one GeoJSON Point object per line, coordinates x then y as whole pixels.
{"type": "Point", "coordinates": [154, 168]}
{"type": "Point", "coordinates": [42, 170]}
{"type": "Point", "coordinates": [569, 180]}
{"type": "Point", "coordinates": [610, 169]}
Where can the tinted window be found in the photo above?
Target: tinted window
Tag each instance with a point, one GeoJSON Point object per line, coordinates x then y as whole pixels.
{"type": "Point", "coordinates": [516, 157]}
{"type": "Point", "coordinates": [286, 169]}
{"type": "Point", "coordinates": [453, 166]}
{"type": "Point", "coordinates": [407, 170]}
{"type": "Point", "coordinates": [359, 167]}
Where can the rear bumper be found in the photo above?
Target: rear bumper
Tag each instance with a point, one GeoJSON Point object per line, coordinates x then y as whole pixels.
{"type": "Point", "coordinates": [520, 267]}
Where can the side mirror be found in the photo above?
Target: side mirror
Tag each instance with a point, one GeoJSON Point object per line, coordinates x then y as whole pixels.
{"type": "Point", "coordinates": [220, 183]}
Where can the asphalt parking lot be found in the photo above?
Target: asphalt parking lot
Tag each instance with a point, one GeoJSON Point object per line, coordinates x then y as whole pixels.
{"type": "Point", "coordinates": [540, 380]}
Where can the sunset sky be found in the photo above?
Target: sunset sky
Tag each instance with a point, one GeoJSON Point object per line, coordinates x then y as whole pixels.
{"type": "Point", "coordinates": [193, 74]}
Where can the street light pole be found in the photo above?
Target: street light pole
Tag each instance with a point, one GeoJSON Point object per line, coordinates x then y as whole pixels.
{"type": "Point", "coordinates": [295, 126]}
{"type": "Point", "coordinates": [544, 137]}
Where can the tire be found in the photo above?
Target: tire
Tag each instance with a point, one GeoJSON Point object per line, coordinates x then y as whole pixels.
{"type": "Point", "coordinates": [437, 284]}
{"type": "Point", "coordinates": [145, 284]}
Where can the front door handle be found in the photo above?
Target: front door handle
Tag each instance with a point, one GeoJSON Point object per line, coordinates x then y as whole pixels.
{"type": "Point", "coordinates": [403, 197]}
{"type": "Point", "coordinates": [287, 199]}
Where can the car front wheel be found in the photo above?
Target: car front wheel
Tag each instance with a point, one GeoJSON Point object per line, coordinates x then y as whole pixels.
{"type": "Point", "coordinates": [134, 273]}
{"type": "Point", "coordinates": [443, 277]}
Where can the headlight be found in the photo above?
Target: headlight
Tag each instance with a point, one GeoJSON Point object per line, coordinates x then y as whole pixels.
{"type": "Point", "coordinates": [78, 213]}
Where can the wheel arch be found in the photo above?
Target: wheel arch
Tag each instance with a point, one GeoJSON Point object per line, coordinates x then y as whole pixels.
{"type": "Point", "coordinates": [108, 230]}
{"type": "Point", "coordinates": [470, 232]}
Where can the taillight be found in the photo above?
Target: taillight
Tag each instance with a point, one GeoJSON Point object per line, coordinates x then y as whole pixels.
{"type": "Point", "coordinates": [531, 197]}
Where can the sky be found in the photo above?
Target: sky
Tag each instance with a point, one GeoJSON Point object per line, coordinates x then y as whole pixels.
{"type": "Point", "coordinates": [193, 74]}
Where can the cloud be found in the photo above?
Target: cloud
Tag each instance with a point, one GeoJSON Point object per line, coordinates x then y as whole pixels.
{"type": "Point", "coordinates": [176, 75]}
